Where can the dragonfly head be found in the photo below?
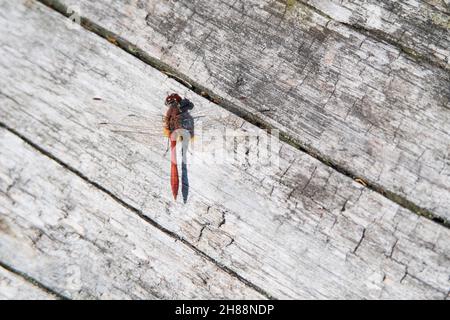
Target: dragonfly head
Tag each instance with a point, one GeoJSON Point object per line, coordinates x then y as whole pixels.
{"type": "Point", "coordinates": [173, 100]}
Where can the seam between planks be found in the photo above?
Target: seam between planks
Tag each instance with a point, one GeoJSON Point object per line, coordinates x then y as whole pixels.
{"type": "Point", "coordinates": [136, 211]}
{"type": "Point", "coordinates": [33, 281]}
{"type": "Point", "coordinates": [240, 112]}
{"type": "Point", "coordinates": [383, 37]}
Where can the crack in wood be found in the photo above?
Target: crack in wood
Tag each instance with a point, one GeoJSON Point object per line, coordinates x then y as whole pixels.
{"type": "Point", "coordinates": [383, 37]}
{"type": "Point", "coordinates": [33, 281]}
{"type": "Point", "coordinates": [244, 114]}
{"type": "Point", "coordinates": [138, 212]}
{"type": "Point", "coordinates": [360, 240]}
{"type": "Point", "coordinates": [350, 232]}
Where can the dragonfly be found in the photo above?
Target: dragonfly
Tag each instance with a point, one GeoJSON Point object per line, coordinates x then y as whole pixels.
{"type": "Point", "coordinates": [178, 125]}
{"type": "Point", "coordinates": [177, 122]}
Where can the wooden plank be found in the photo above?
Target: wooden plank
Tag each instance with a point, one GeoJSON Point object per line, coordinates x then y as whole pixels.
{"type": "Point", "coordinates": [421, 28]}
{"type": "Point", "coordinates": [302, 231]}
{"type": "Point", "coordinates": [364, 105]}
{"type": "Point", "coordinates": [14, 287]}
{"type": "Point", "coordinates": [81, 243]}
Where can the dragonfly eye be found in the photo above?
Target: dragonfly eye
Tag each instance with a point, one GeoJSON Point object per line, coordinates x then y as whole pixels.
{"type": "Point", "coordinates": [173, 99]}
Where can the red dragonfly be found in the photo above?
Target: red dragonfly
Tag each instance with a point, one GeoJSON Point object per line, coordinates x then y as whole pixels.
{"type": "Point", "coordinates": [178, 125]}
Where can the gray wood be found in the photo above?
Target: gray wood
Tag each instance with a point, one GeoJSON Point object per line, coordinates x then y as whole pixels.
{"type": "Point", "coordinates": [301, 231]}
{"type": "Point", "coordinates": [367, 106]}
{"type": "Point", "coordinates": [59, 230]}
{"type": "Point", "coordinates": [420, 27]}
{"type": "Point", "coordinates": [14, 287]}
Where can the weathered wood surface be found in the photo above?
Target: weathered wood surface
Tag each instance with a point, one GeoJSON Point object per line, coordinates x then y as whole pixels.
{"type": "Point", "coordinates": [367, 106]}
{"type": "Point", "coordinates": [304, 231]}
{"type": "Point", "coordinates": [13, 286]}
{"type": "Point", "coordinates": [420, 27]}
{"type": "Point", "coordinates": [81, 243]}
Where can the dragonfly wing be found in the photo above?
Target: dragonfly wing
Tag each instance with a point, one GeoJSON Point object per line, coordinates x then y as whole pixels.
{"type": "Point", "coordinates": [149, 128]}
{"type": "Point", "coordinates": [148, 133]}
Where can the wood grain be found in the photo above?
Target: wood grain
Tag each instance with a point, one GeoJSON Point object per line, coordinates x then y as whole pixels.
{"type": "Point", "coordinates": [300, 231]}
{"type": "Point", "coordinates": [364, 105]}
{"type": "Point", "coordinates": [420, 28]}
{"type": "Point", "coordinates": [14, 287]}
{"type": "Point", "coordinates": [81, 243]}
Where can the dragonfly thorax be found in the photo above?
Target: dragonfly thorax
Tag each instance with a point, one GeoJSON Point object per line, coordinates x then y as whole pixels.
{"type": "Point", "coordinates": [173, 119]}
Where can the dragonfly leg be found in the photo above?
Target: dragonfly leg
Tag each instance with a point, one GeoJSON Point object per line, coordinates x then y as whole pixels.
{"type": "Point", "coordinates": [167, 149]}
